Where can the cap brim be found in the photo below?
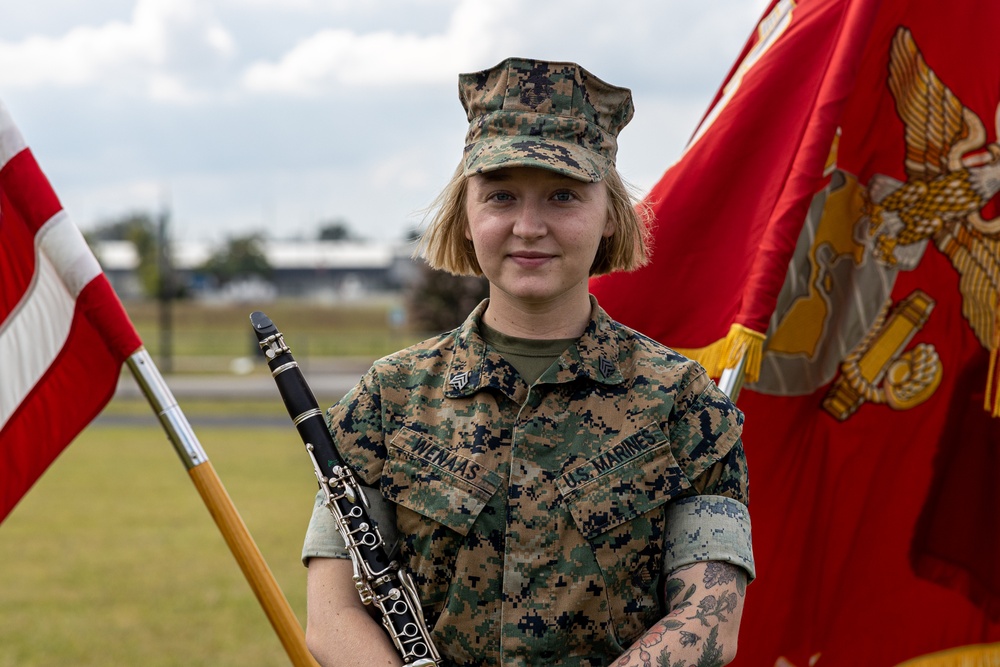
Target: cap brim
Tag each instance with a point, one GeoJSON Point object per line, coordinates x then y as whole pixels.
{"type": "Point", "coordinates": [518, 151]}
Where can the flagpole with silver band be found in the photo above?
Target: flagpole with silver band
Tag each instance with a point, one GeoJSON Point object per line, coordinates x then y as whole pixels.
{"type": "Point", "coordinates": [221, 507]}
{"type": "Point", "coordinates": [731, 379]}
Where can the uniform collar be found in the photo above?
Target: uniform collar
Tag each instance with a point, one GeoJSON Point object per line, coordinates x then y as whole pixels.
{"type": "Point", "coordinates": [594, 356]}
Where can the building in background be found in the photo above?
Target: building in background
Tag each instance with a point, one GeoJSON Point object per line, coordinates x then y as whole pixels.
{"type": "Point", "coordinates": [317, 270]}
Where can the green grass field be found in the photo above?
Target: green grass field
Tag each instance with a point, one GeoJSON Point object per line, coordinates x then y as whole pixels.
{"type": "Point", "coordinates": [200, 330]}
{"type": "Point", "coordinates": [113, 559]}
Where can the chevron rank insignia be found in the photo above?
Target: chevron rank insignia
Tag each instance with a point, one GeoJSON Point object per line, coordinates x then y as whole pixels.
{"type": "Point", "coordinates": [459, 380]}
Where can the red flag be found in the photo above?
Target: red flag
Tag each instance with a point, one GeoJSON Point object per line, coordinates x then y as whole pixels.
{"type": "Point", "coordinates": [839, 200]}
{"type": "Point", "coordinates": [63, 332]}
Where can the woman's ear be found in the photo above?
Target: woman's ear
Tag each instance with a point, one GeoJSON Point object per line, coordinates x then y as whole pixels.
{"type": "Point", "coordinates": [609, 228]}
{"type": "Point", "coordinates": [611, 222]}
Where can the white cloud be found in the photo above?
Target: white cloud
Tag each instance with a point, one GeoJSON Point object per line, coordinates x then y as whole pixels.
{"type": "Point", "coordinates": [670, 44]}
{"type": "Point", "coordinates": [164, 87]}
{"type": "Point", "coordinates": [81, 56]}
{"type": "Point", "coordinates": [343, 57]}
{"type": "Point", "coordinates": [219, 39]}
{"type": "Point", "coordinates": [118, 54]}
{"type": "Point", "coordinates": [300, 5]}
{"type": "Point", "coordinates": [279, 113]}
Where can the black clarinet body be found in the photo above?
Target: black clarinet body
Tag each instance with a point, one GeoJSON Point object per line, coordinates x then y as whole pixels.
{"type": "Point", "coordinates": [379, 580]}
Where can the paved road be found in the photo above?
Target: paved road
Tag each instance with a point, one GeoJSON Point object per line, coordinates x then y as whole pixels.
{"type": "Point", "coordinates": [329, 379]}
{"type": "Point", "coordinates": [326, 386]}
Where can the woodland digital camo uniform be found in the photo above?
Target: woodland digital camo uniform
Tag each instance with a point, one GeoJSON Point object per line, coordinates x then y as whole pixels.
{"type": "Point", "coordinates": [538, 521]}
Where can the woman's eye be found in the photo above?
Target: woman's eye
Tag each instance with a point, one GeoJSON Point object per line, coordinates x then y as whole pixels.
{"type": "Point", "coordinates": [564, 196]}
{"type": "Point", "coordinates": [500, 197]}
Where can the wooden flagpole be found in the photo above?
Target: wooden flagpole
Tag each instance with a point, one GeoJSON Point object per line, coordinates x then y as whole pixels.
{"type": "Point", "coordinates": [221, 507]}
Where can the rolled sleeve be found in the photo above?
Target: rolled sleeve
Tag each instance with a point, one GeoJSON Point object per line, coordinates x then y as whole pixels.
{"type": "Point", "coordinates": [708, 528]}
{"type": "Point", "coordinates": [323, 539]}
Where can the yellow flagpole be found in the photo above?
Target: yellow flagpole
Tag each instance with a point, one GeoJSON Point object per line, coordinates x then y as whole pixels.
{"type": "Point", "coordinates": [221, 507]}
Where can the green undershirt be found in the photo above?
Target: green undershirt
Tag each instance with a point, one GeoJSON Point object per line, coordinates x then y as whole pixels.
{"type": "Point", "coordinates": [530, 357]}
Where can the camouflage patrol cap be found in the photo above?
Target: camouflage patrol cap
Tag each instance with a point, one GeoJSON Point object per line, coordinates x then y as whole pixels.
{"type": "Point", "coordinates": [533, 113]}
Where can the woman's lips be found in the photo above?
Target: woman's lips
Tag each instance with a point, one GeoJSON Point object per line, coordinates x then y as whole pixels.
{"type": "Point", "coordinates": [530, 258]}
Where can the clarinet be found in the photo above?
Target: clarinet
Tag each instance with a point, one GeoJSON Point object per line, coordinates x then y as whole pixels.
{"type": "Point", "coordinates": [379, 581]}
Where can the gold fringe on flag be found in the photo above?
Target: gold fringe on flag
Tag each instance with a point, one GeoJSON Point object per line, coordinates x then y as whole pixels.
{"type": "Point", "coordinates": [739, 343]}
{"type": "Point", "coordinates": [981, 655]}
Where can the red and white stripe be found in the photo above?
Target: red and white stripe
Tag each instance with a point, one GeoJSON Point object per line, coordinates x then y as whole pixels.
{"type": "Point", "coordinates": [63, 332]}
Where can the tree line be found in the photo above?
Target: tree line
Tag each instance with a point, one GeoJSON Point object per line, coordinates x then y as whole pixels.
{"type": "Point", "coordinates": [435, 301]}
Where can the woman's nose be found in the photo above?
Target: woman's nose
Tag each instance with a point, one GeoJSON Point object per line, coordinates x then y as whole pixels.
{"type": "Point", "coordinates": [530, 222]}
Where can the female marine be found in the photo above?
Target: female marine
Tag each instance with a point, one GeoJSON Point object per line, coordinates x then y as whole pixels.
{"type": "Point", "coordinates": [564, 490]}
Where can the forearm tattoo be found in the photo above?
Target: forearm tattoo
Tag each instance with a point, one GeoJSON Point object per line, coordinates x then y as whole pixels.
{"type": "Point", "coordinates": [689, 634]}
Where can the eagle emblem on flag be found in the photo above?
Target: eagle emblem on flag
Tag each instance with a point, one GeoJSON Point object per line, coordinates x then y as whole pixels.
{"type": "Point", "coordinates": [953, 173]}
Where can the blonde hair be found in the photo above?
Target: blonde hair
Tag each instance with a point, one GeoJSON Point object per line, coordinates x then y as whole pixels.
{"type": "Point", "coordinates": [444, 245]}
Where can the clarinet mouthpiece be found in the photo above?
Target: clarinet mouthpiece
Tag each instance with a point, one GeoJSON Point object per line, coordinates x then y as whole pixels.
{"type": "Point", "coordinates": [262, 325]}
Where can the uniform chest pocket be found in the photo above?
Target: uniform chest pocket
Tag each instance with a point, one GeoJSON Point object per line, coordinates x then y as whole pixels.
{"type": "Point", "coordinates": [436, 482]}
{"type": "Point", "coordinates": [617, 500]}
{"type": "Point", "coordinates": [439, 495]}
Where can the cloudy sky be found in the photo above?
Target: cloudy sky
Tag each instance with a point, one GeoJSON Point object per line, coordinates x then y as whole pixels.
{"type": "Point", "coordinates": [274, 115]}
